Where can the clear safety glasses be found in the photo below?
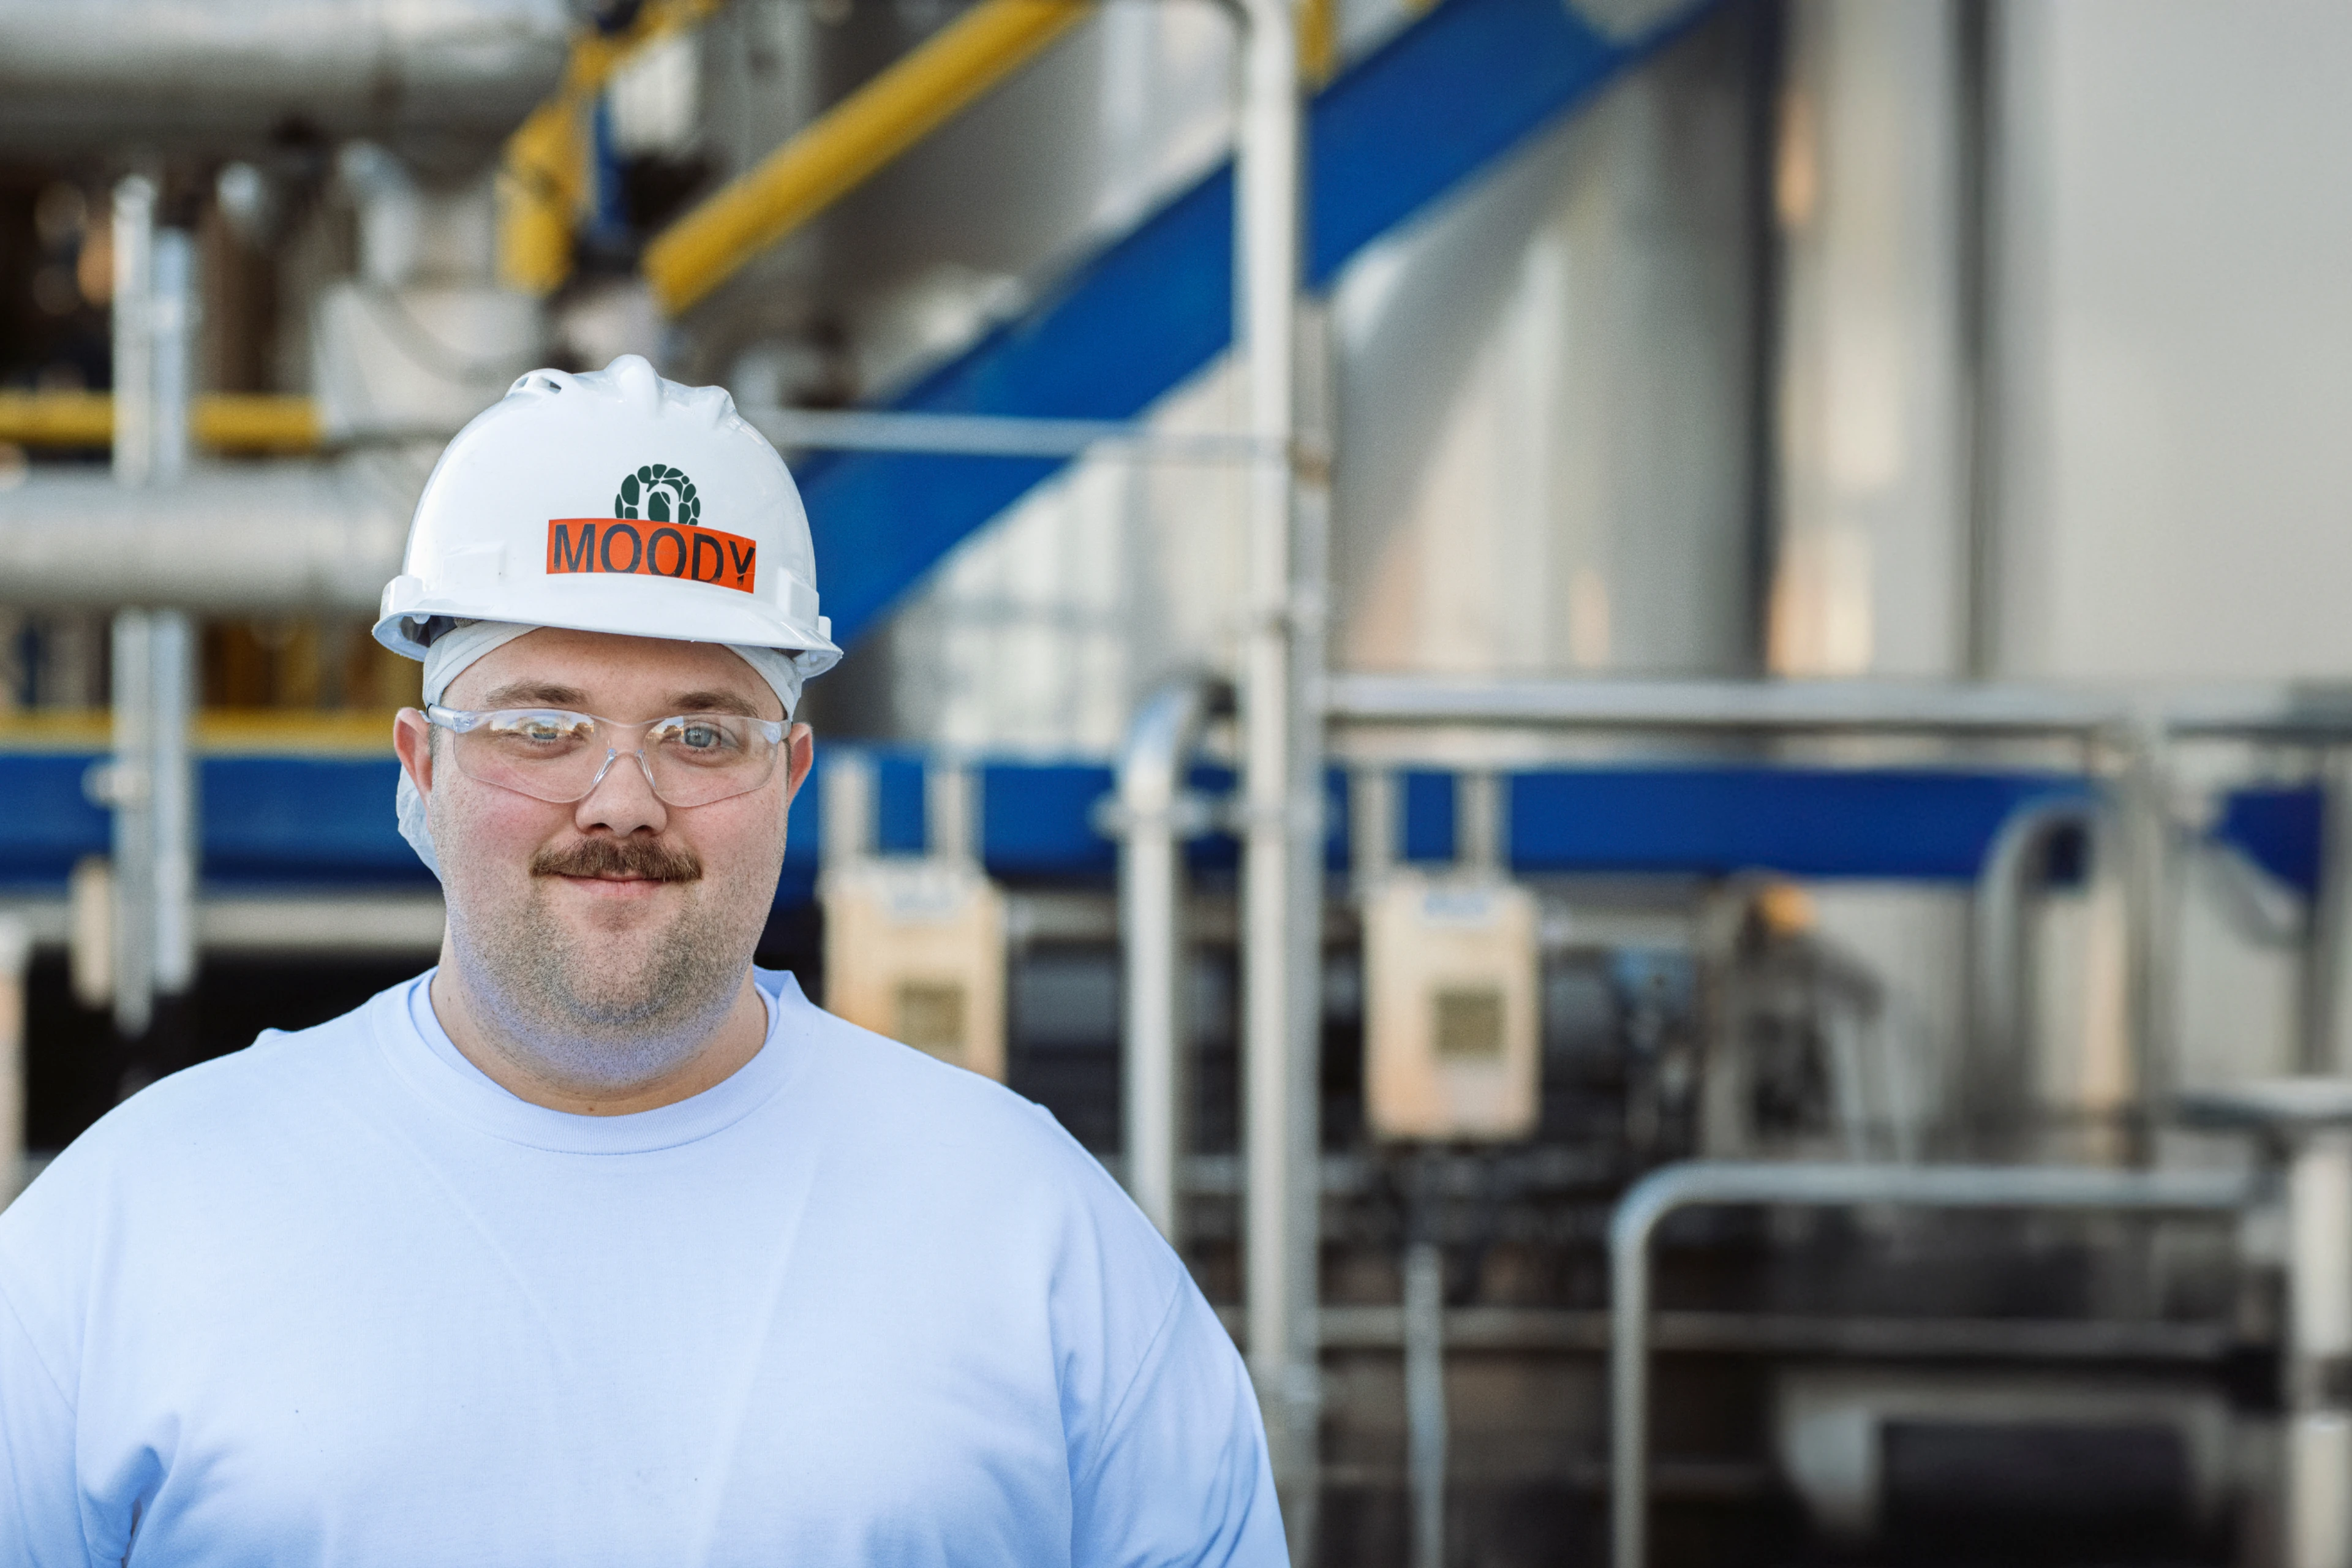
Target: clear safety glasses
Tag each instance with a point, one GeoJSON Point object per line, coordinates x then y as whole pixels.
{"type": "Point", "coordinates": [549, 754]}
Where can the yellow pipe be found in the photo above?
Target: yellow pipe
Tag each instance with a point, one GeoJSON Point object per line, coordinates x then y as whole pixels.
{"type": "Point", "coordinates": [228, 422]}
{"type": "Point", "coordinates": [57, 418]}
{"type": "Point", "coordinates": [1319, 41]}
{"type": "Point", "coordinates": [542, 184]}
{"type": "Point", "coordinates": [857, 136]}
{"type": "Point", "coordinates": [219, 731]}
{"type": "Point", "coordinates": [254, 422]}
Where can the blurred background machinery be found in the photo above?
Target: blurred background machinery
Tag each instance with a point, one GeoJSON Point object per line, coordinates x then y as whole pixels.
{"type": "Point", "coordinates": [1641, 702]}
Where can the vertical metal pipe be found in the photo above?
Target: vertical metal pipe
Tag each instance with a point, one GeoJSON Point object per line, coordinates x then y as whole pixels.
{"type": "Point", "coordinates": [130, 792]}
{"type": "Point", "coordinates": [2328, 946]}
{"type": "Point", "coordinates": [2319, 1348]}
{"type": "Point", "coordinates": [170, 320]}
{"type": "Point", "coordinates": [1638, 1212]}
{"type": "Point", "coordinates": [1976, 106]}
{"type": "Point", "coordinates": [2151, 926]}
{"type": "Point", "coordinates": [15, 953]}
{"type": "Point", "coordinates": [951, 831]}
{"type": "Point", "coordinates": [171, 324]}
{"type": "Point", "coordinates": [1478, 822]}
{"type": "Point", "coordinates": [845, 809]}
{"type": "Point", "coordinates": [1998, 1084]}
{"type": "Point", "coordinates": [134, 355]}
{"type": "Point", "coordinates": [131, 776]}
{"type": "Point", "coordinates": [1151, 833]}
{"type": "Point", "coordinates": [1372, 827]}
{"type": "Point", "coordinates": [171, 800]}
{"type": "Point", "coordinates": [1278, 903]}
{"type": "Point", "coordinates": [1425, 1399]}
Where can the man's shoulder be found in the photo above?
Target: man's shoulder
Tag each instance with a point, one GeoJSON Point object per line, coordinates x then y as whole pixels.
{"type": "Point", "coordinates": [179, 1123]}
{"type": "Point", "coordinates": [925, 1108]}
{"type": "Point", "coordinates": [279, 1065]}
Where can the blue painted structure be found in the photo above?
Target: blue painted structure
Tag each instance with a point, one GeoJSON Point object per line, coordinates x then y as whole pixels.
{"type": "Point", "coordinates": [1464, 84]}
{"type": "Point", "coordinates": [324, 820]}
{"type": "Point", "coordinates": [2279, 828]}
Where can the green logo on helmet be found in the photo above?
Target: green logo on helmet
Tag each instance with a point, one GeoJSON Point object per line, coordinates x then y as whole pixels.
{"type": "Point", "coordinates": [658, 493]}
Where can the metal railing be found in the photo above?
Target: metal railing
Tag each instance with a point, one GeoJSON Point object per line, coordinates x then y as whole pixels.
{"type": "Point", "coordinates": [1661, 1194]}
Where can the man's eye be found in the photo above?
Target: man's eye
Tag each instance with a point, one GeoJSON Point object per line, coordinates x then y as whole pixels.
{"type": "Point", "coordinates": [536, 731]}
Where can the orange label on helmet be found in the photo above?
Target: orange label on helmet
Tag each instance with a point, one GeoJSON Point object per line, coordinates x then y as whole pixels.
{"type": "Point", "coordinates": [683, 550]}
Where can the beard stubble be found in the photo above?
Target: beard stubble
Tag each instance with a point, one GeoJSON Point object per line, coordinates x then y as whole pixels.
{"type": "Point", "coordinates": [615, 1014]}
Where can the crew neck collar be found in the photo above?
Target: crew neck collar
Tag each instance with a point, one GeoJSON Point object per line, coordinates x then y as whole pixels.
{"type": "Point", "coordinates": [420, 1050]}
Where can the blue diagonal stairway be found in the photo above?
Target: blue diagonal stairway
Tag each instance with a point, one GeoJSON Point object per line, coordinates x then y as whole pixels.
{"type": "Point", "coordinates": [1457, 89]}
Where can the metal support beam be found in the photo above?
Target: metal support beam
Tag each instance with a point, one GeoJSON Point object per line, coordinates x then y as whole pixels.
{"type": "Point", "coordinates": [1281, 882]}
{"type": "Point", "coordinates": [1661, 1194]}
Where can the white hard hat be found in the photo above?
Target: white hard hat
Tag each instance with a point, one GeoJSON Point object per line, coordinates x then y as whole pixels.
{"type": "Point", "coordinates": [612, 502]}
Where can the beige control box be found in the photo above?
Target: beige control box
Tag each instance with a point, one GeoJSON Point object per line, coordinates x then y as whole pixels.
{"type": "Point", "coordinates": [1452, 1037]}
{"type": "Point", "coordinates": [915, 950]}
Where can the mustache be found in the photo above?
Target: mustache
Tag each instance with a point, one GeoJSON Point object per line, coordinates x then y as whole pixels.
{"type": "Point", "coordinates": [639, 858]}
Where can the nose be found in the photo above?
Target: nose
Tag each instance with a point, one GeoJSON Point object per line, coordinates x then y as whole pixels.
{"type": "Point", "coordinates": [624, 801]}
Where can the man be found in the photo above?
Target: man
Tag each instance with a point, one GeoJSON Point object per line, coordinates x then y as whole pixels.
{"type": "Point", "coordinates": [594, 1243]}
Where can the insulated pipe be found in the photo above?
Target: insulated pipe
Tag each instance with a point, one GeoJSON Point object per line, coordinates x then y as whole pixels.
{"type": "Point", "coordinates": [1281, 742]}
{"type": "Point", "coordinates": [1652, 1199]}
{"type": "Point", "coordinates": [856, 137]}
{"type": "Point", "coordinates": [1153, 821]}
{"type": "Point", "coordinates": [284, 536]}
{"type": "Point", "coordinates": [197, 76]}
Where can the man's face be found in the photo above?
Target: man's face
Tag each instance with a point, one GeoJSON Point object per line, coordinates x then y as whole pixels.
{"type": "Point", "coordinates": [605, 936]}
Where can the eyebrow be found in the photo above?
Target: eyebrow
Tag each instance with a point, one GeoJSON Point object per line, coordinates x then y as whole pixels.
{"type": "Point", "coordinates": [548, 694]}
{"type": "Point", "coordinates": [543, 693]}
{"type": "Point", "coordinates": [714, 701]}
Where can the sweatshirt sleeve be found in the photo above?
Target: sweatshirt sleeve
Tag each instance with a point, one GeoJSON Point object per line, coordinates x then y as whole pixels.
{"type": "Point", "coordinates": [40, 1514]}
{"type": "Point", "coordinates": [1181, 1475]}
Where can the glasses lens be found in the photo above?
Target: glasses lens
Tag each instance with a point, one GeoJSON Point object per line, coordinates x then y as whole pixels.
{"type": "Point", "coordinates": [701, 757]}
{"type": "Point", "coordinates": [551, 755]}
{"type": "Point", "coordinates": [536, 751]}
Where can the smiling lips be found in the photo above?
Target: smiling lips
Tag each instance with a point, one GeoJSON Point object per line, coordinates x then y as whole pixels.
{"type": "Point", "coordinates": [618, 860]}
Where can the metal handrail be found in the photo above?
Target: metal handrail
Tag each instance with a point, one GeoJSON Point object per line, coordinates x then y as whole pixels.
{"type": "Point", "coordinates": [1651, 1200]}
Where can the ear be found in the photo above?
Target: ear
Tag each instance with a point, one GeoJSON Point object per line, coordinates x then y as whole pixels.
{"type": "Point", "coordinates": [800, 755]}
{"type": "Point", "coordinates": [412, 741]}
